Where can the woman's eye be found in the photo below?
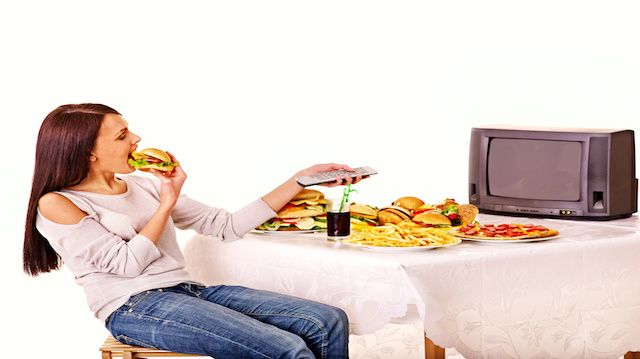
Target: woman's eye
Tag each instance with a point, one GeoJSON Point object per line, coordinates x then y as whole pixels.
{"type": "Point", "coordinates": [122, 137]}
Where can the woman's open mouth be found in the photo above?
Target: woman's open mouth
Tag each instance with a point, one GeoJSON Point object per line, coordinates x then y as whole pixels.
{"type": "Point", "coordinates": [129, 160]}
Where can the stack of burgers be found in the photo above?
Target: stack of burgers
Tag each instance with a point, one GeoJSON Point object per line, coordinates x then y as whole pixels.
{"type": "Point", "coordinates": [446, 214]}
{"type": "Point", "coordinates": [305, 211]}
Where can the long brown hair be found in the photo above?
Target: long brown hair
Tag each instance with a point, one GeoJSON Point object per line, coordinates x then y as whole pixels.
{"type": "Point", "coordinates": [65, 141]}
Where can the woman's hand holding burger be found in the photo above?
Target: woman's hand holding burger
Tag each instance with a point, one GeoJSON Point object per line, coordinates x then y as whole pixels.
{"type": "Point", "coordinates": [172, 178]}
{"type": "Point", "coordinates": [171, 184]}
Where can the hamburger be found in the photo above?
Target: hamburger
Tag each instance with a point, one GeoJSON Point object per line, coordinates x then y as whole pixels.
{"type": "Point", "coordinates": [305, 211]}
{"type": "Point", "coordinates": [393, 214]}
{"type": "Point", "coordinates": [151, 158]}
{"type": "Point", "coordinates": [432, 219]}
{"type": "Point", "coordinates": [363, 216]}
{"type": "Point", "coordinates": [410, 203]}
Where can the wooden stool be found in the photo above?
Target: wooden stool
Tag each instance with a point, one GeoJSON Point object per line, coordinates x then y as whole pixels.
{"type": "Point", "coordinates": [113, 348]}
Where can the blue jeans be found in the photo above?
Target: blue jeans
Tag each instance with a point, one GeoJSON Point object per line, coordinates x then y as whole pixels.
{"type": "Point", "coordinates": [231, 322]}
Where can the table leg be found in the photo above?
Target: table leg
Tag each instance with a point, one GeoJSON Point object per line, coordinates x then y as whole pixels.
{"type": "Point", "coordinates": [632, 355]}
{"type": "Point", "coordinates": [432, 351]}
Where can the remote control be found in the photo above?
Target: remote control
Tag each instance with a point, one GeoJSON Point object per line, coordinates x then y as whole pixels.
{"type": "Point", "coordinates": [326, 177]}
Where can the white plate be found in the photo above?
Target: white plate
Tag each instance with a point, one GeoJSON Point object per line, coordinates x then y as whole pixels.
{"type": "Point", "coordinates": [287, 233]}
{"type": "Point", "coordinates": [398, 249]}
{"type": "Point", "coordinates": [503, 241]}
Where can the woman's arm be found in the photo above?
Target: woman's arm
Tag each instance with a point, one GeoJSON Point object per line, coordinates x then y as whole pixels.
{"type": "Point", "coordinates": [282, 194]}
{"type": "Point", "coordinates": [170, 187]}
{"type": "Point", "coordinates": [84, 244]}
{"type": "Point", "coordinates": [60, 210]}
{"type": "Point", "coordinates": [191, 214]}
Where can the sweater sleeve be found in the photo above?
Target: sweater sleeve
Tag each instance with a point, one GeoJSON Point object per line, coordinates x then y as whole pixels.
{"type": "Point", "coordinates": [191, 214]}
{"type": "Point", "coordinates": [88, 244]}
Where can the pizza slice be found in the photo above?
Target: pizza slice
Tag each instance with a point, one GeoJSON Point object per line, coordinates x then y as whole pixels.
{"type": "Point", "coordinates": [504, 231]}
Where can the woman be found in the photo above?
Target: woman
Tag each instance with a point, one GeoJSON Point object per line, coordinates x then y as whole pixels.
{"type": "Point", "coordinates": [116, 233]}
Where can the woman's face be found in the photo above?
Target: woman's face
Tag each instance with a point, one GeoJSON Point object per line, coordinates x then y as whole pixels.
{"type": "Point", "coordinates": [113, 145]}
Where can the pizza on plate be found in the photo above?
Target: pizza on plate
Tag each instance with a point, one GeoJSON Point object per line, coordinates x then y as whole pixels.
{"type": "Point", "coordinates": [504, 231]}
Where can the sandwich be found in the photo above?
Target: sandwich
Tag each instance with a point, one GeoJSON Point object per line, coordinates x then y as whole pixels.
{"type": "Point", "coordinates": [393, 214]}
{"type": "Point", "coordinates": [457, 214]}
{"type": "Point", "coordinates": [363, 216]}
{"type": "Point", "coordinates": [305, 211]}
{"type": "Point", "coordinates": [151, 158]}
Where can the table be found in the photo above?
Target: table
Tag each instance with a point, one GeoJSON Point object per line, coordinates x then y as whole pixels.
{"type": "Point", "coordinates": [574, 296]}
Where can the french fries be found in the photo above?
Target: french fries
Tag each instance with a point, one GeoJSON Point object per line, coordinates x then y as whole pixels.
{"type": "Point", "coordinates": [404, 234]}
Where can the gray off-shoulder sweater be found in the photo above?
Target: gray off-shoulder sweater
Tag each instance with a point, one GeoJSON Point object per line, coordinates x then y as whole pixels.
{"type": "Point", "coordinates": [112, 262]}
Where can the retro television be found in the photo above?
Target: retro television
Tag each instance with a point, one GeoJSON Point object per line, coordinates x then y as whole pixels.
{"type": "Point", "coordinates": [567, 173]}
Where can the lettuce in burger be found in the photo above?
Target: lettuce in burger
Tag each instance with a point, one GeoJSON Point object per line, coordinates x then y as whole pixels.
{"type": "Point", "coordinates": [151, 158]}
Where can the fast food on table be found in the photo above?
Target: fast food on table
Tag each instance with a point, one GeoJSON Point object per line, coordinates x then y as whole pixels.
{"type": "Point", "coordinates": [456, 214]}
{"type": "Point", "coordinates": [305, 211]}
{"type": "Point", "coordinates": [446, 214]}
{"type": "Point", "coordinates": [504, 231]}
{"type": "Point", "coordinates": [363, 216]}
{"type": "Point", "coordinates": [404, 234]}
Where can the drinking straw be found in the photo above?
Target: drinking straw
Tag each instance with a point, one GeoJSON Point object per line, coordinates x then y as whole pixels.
{"type": "Point", "coordinates": [345, 196]}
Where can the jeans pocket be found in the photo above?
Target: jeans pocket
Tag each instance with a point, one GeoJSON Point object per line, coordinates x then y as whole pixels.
{"type": "Point", "coordinates": [137, 298]}
{"type": "Point", "coordinates": [130, 341]}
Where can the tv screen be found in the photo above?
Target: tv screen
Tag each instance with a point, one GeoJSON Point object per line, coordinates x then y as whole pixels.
{"type": "Point", "coordinates": [534, 169]}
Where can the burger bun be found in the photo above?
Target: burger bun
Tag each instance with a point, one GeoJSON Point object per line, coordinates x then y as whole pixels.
{"type": "Point", "coordinates": [392, 214]}
{"type": "Point", "coordinates": [410, 203]}
{"type": "Point", "coordinates": [363, 210]}
{"type": "Point", "coordinates": [433, 218]}
{"type": "Point", "coordinates": [154, 152]}
{"type": "Point", "coordinates": [308, 194]}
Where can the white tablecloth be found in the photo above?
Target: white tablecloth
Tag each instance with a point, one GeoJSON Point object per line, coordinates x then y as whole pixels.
{"type": "Point", "coordinates": [574, 296]}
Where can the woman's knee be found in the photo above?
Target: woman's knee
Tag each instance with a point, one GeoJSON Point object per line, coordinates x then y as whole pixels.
{"type": "Point", "coordinates": [335, 319]}
{"type": "Point", "coordinates": [335, 333]}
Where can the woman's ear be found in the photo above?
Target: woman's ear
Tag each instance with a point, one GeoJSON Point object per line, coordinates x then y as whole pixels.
{"type": "Point", "coordinates": [93, 158]}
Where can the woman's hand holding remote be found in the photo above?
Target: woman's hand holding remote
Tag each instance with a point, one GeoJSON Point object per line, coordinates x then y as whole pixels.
{"type": "Point", "coordinates": [326, 167]}
{"type": "Point", "coordinates": [277, 198]}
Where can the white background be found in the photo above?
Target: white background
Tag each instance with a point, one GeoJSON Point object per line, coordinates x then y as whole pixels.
{"type": "Point", "coordinates": [246, 93]}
